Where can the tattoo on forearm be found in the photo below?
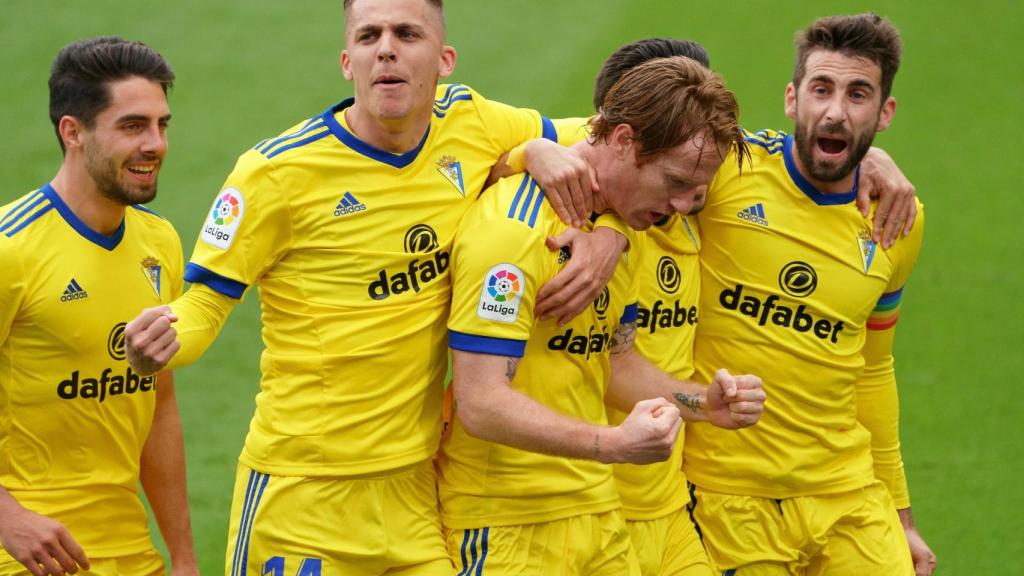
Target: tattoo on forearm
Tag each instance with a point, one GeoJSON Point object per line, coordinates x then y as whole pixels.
{"type": "Point", "coordinates": [511, 367]}
{"type": "Point", "coordinates": [623, 337]}
{"type": "Point", "coordinates": [691, 401]}
{"type": "Point", "coordinates": [597, 446]}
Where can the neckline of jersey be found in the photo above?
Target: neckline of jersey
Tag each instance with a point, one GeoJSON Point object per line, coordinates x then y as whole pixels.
{"type": "Point", "coordinates": [819, 198]}
{"type": "Point", "coordinates": [352, 141]}
{"type": "Point", "coordinates": [101, 240]}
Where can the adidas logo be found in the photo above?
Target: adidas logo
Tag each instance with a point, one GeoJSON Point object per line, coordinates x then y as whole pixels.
{"type": "Point", "coordinates": [754, 214]}
{"type": "Point", "coordinates": [348, 204]}
{"type": "Point", "coordinates": [73, 292]}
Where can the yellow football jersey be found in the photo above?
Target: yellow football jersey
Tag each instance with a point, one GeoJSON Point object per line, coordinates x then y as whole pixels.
{"type": "Point", "coordinates": [668, 281]}
{"type": "Point", "coordinates": [789, 279]}
{"type": "Point", "coordinates": [73, 415]}
{"type": "Point", "coordinates": [351, 249]}
{"type": "Point", "coordinates": [500, 262]}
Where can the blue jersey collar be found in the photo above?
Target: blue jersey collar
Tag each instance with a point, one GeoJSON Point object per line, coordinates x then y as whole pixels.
{"type": "Point", "coordinates": [819, 198]}
{"type": "Point", "coordinates": [107, 242]}
{"type": "Point", "coordinates": [372, 152]}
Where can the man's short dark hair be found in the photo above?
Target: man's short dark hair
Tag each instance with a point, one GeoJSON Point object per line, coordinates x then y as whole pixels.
{"type": "Point", "coordinates": [632, 55]}
{"type": "Point", "coordinates": [866, 36]}
{"type": "Point", "coordinates": [81, 75]}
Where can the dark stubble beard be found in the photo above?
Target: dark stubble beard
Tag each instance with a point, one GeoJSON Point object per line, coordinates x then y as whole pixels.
{"type": "Point", "coordinates": [824, 170]}
{"type": "Point", "coordinates": [105, 173]}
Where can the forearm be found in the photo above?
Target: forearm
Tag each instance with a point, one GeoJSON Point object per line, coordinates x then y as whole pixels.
{"type": "Point", "coordinates": [489, 409]}
{"type": "Point", "coordinates": [201, 314]}
{"type": "Point", "coordinates": [634, 378]}
{"type": "Point", "coordinates": [162, 472]}
{"type": "Point", "coordinates": [878, 411]}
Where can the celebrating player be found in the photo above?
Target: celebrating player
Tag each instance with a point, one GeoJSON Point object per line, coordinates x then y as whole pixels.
{"type": "Point", "coordinates": [346, 224]}
{"type": "Point", "coordinates": [524, 478]}
{"type": "Point", "coordinates": [79, 428]}
{"type": "Point", "coordinates": [794, 286]}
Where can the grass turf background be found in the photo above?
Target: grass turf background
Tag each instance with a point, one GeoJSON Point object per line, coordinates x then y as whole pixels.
{"type": "Point", "coordinates": [249, 69]}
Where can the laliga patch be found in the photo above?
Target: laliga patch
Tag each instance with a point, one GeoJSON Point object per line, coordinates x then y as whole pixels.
{"type": "Point", "coordinates": [501, 293]}
{"type": "Point", "coordinates": [225, 216]}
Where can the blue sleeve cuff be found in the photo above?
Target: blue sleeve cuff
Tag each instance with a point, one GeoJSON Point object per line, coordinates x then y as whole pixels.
{"type": "Point", "coordinates": [198, 275]}
{"type": "Point", "coordinates": [486, 344]}
{"type": "Point", "coordinates": [549, 131]}
{"type": "Point", "coordinates": [630, 314]}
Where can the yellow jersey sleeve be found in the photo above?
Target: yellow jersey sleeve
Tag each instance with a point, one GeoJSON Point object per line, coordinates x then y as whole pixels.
{"type": "Point", "coordinates": [877, 398]}
{"type": "Point", "coordinates": [567, 131]}
{"type": "Point", "coordinates": [247, 229]}
{"type": "Point", "coordinates": [496, 280]}
{"type": "Point", "coordinates": [506, 126]}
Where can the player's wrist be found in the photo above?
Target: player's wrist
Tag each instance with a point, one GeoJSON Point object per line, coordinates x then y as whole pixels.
{"type": "Point", "coordinates": [607, 443]}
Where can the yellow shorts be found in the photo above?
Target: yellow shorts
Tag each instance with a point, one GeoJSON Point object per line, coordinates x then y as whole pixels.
{"type": "Point", "coordinates": [149, 563]}
{"type": "Point", "coordinates": [669, 546]}
{"type": "Point", "coordinates": [847, 534]}
{"type": "Point", "coordinates": [588, 545]}
{"type": "Point", "coordinates": [357, 526]}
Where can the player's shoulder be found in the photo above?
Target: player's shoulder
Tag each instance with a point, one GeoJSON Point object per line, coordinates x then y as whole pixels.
{"type": "Point", "coordinates": [301, 137]}
{"type": "Point", "coordinates": [451, 97]}
{"type": "Point", "coordinates": [765, 142]}
{"type": "Point", "coordinates": [26, 215]}
{"type": "Point", "coordinates": [516, 201]}
{"type": "Point", "coordinates": [156, 226]}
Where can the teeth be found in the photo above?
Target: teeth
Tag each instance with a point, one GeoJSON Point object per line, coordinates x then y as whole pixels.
{"type": "Point", "coordinates": [142, 169]}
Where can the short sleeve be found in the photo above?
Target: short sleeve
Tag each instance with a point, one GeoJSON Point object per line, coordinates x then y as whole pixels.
{"type": "Point", "coordinates": [498, 268]}
{"type": "Point", "coordinates": [247, 229]}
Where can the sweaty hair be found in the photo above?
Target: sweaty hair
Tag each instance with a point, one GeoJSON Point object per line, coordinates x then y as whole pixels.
{"type": "Point", "coordinates": [636, 53]}
{"type": "Point", "coordinates": [668, 101]}
{"type": "Point", "coordinates": [81, 75]}
{"type": "Point", "coordinates": [866, 36]}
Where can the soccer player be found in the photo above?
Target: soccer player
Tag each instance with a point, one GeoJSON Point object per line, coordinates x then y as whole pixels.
{"type": "Point", "coordinates": [346, 222]}
{"type": "Point", "coordinates": [654, 496]}
{"type": "Point", "coordinates": [524, 478]}
{"type": "Point", "coordinates": [79, 428]}
{"type": "Point", "coordinates": [793, 285]}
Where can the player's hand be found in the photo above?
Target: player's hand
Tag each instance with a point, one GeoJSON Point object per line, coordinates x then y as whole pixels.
{"type": "Point", "coordinates": [897, 209]}
{"type": "Point", "coordinates": [150, 340]}
{"type": "Point", "coordinates": [920, 553]}
{"type": "Point", "coordinates": [594, 258]}
{"type": "Point", "coordinates": [646, 435]}
{"type": "Point", "coordinates": [43, 545]}
{"type": "Point", "coordinates": [734, 401]}
{"type": "Point", "coordinates": [566, 178]}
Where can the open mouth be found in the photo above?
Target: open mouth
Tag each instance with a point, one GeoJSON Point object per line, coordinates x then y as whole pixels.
{"type": "Point", "coordinates": [831, 146]}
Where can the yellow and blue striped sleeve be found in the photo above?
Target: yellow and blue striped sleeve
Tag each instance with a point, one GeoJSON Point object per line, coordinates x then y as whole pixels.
{"type": "Point", "coordinates": [499, 264]}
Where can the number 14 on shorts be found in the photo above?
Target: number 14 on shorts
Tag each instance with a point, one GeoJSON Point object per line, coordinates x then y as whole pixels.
{"type": "Point", "coordinates": [275, 567]}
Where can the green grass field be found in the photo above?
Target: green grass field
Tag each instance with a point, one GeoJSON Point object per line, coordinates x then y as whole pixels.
{"type": "Point", "coordinates": [249, 69]}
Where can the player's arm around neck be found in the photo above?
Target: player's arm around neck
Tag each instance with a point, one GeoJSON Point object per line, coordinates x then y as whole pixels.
{"type": "Point", "coordinates": [729, 402]}
{"type": "Point", "coordinates": [162, 472]}
{"type": "Point", "coordinates": [490, 409]}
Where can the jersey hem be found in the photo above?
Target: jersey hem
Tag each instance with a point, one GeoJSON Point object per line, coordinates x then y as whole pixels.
{"type": "Point", "coordinates": [709, 484]}
{"type": "Point", "coordinates": [523, 518]}
{"type": "Point", "coordinates": [335, 469]}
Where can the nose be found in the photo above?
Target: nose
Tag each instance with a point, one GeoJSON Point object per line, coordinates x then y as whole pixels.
{"type": "Point", "coordinates": [154, 141]}
{"type": "Point", "coordinates": [386, 49]}
{"type": "Point", "coordinates": [682, 204]}
{"type": "Point", "coordinates": [835, 113]}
